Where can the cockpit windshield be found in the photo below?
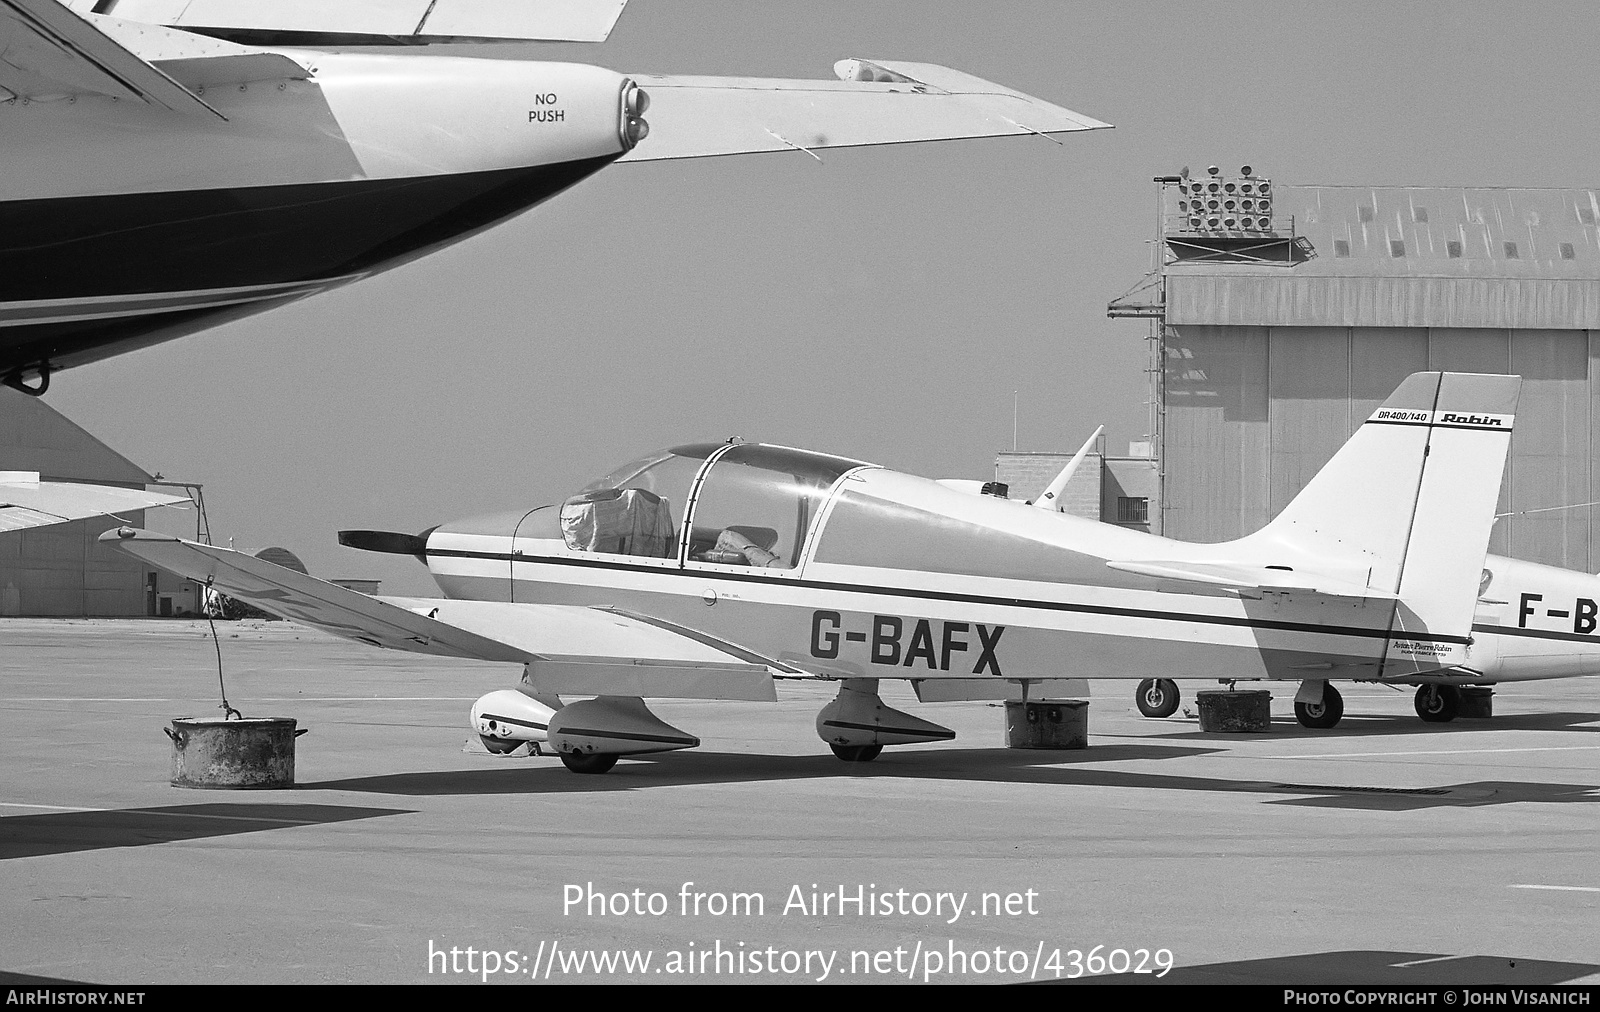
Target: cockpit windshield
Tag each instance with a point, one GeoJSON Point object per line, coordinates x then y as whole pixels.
{"type": "Point", "coordinates": [631, 510]}
{"type": "Point", "coordinates": [754, 507]}
{"type": "Point", "coordinates": [653, 470]}
{"type": "Point", "coordinates": [757, 503]}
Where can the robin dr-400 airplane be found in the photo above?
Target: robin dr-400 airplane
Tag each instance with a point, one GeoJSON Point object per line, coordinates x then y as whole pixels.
{"type": "Point", "coordinates": [169, 165]}
{"type": "Point", "coordinates": [712, 570]}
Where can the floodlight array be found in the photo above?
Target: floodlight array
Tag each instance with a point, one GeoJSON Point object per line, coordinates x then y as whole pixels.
{"type": "Point", "coordinates": [1217, 203]}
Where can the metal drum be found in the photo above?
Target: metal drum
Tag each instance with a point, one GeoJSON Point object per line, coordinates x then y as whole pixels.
{"type": "Point", "coordinates": [248, 753]}
{"type": "Point", "coordinates": [1234, 710]}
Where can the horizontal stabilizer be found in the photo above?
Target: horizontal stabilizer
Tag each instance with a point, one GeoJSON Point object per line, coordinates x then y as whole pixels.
{"type": "Point", "coordinates": [242, 68]}
{"type": "Point", "coordinates": [876, 102]}
{"type": "Point", "coordinates": [1245, 578]}
{"type": "Point", "coordinates": [50, 52]}
{"type": "Point", "coordinates": [569, 648]}
{"type": "Point", "coordinates": [318, 22]}
{"type": "Point", "coordinates": [25, 501]}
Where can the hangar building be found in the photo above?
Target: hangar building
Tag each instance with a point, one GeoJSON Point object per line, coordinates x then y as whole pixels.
{"type": "Point", "coordinates": [63, 570]}
{"type": "Point", "coordinates": [1271, 344]}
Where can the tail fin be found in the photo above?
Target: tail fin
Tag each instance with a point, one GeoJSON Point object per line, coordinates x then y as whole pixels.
{"type": "Point", "coordinates": [1411, 499]}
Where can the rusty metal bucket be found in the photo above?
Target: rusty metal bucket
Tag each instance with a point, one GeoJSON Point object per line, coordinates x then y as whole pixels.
{"type": "Point", "coordinates": [251, 753]}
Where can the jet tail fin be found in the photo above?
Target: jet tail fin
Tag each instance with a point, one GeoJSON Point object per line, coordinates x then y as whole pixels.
{"type": "Point", "coordinates": [1411, 499]}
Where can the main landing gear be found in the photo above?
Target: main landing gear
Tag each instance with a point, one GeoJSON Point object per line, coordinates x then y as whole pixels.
{"type": "Point", "coordinates": [596, 762]}
{"type": "Point", "coordinates": [591, 734]}
{"type": "Point", "coordinates": [1157, 697]}
{"type": "Point", "coordinates": [1323, 714]}
{"type": "Point", "coordinates": [1438, 704]}
{"type": "Point", "coordinates": [857, 753]}
{"type": "Point", "coordinates": [857, 724]}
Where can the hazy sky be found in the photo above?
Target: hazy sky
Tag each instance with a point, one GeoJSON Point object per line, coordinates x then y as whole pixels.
{"type": "Point", "coordinates": [883, 304]}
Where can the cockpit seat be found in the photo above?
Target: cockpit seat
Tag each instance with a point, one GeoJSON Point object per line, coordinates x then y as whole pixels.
{"type": "Point", "coordinates": [626, 521]}
{"type": "Point", "coordinates": [737, 545]}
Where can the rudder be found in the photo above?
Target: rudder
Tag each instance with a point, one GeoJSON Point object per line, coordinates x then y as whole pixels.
{"type": "Point", "coordinates": [1408, 502]}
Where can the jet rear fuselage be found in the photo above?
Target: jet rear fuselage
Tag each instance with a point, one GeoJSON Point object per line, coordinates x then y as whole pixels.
{"type": "Point", "coordinates": [123, 226]}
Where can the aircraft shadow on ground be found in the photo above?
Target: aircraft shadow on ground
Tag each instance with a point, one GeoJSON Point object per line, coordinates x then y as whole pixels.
{"type": "Point", "coordinates": [69, 832]}
{"type": "Point", "coordinates": [1010, 766]}
{"type": "Point", "coordinates": [1355, 725]}
{"type": "Point", "coordinates": [1386, 969]}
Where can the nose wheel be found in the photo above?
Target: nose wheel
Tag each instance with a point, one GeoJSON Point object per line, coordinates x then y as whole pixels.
{"type": "Point", "coordinates": [1157, 697]}
{"type": "Point", "coordinates": [1321, 715]}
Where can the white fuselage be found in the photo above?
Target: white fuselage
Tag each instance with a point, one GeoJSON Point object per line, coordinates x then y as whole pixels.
{"type": "Point", "coordinates": [953, 585]}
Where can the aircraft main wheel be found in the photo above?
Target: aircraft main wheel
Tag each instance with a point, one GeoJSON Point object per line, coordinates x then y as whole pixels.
{"type": "Point", "coordinates": [1157, 697]}
{"type": "Point", "coordinates": [589, 762]}
{"type": "Point", "coordinates": [1438, 704]}
{"type": "Point", "coordinates": [857, 753]}
{"type": "Point", "coordinates": [1324, 714]}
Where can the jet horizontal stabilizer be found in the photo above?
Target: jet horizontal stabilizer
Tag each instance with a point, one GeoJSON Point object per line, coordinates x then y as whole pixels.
{"type": "Point", "coordinates": [51, 52]}
{"type": "Point", "coordinates": [374, 22]}
{"type": "Point", "coordinates": [899, 103]}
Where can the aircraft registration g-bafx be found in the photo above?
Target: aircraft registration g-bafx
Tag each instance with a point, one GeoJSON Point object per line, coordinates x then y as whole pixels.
{"type": "Point", "coordinates": [168, 165]}
{"type": "Point", "coordinates": [712, 570]}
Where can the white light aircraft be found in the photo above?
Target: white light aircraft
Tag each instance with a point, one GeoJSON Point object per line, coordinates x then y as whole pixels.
{"type": "Point", "coordinates": [169, 165]}
{"type": "Point", "coordinates": [712, 570]}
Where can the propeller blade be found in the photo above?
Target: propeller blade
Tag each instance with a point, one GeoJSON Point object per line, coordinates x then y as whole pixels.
{"type": "Point", "coordinates": [388, 542]}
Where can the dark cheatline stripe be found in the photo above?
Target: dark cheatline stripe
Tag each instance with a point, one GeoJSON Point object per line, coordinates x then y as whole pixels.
{"type": "Point", "coordinates": [520, 723]}
{"type": "Point", "coordinates": [193, 240]}
{"type": "Point", "coordinates": [938, 595]}
{"type": "Point", "coordinates": [920, 732]}
{"type": "Point", "coordinates": [666, 739]}
{"type": "Point", "coordinates": [1539, 634]}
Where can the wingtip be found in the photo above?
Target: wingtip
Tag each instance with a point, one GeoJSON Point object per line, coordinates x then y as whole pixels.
{"type": "Point", "coordinates": [127, 533]}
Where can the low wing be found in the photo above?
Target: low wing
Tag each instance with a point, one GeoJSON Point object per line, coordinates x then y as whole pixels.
{"type": "Point", "coordinates": [1243, 577]}
{"type": "Point", "coordinates": [354, 22]}
{"type": "Point", "coordinates": [47, 51]}
{"type": "Point", "coordinates": [25, 501]}
{"type": "Point", "coordinates": [569, 649]}
{"type": "Point", "coordinates": [873, 102]}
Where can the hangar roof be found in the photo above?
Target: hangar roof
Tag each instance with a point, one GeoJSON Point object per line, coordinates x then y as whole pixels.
{"type": "Point", "coordinates": [36, 437]}
{"type": "Point", "coordinates": [1404, 256]}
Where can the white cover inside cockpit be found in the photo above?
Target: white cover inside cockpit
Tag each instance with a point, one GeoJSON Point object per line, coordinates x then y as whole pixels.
{"type": "Point", "coordinates": [629, 521]}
